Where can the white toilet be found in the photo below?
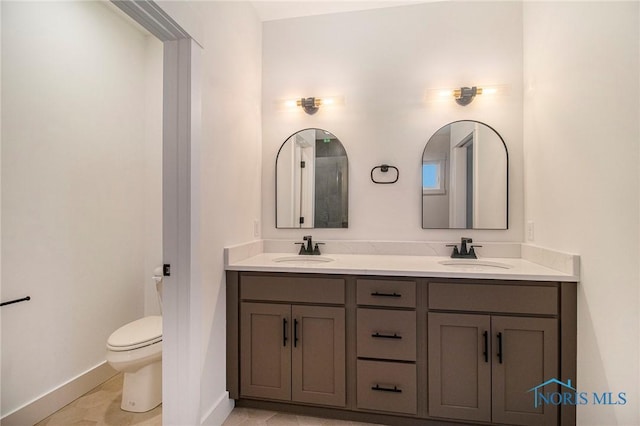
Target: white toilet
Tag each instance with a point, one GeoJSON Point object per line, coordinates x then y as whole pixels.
{"type": "Point", "coordinates": [136, 349]}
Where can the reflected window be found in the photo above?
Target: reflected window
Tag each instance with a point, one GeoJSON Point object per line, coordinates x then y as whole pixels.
{"type": "Point", "coordinates": [433, 177]}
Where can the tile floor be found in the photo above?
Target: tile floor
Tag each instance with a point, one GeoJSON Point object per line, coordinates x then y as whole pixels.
{"type": "Point", "coordinates": [251, 417]}
{"type": "Point", "coordinates": [101, 407]}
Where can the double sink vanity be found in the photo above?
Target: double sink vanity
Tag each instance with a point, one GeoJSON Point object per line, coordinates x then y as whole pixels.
{"type": "Point", "coordinates": [401, 333]}
{"type": "Point", "coordinates": [366, 332]}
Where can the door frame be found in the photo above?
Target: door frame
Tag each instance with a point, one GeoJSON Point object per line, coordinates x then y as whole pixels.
{"type": "Point", "coordinates": [181, 128]}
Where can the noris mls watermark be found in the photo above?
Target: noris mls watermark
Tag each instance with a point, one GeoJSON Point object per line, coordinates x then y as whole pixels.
{"type": "Point", "coordinates": [568, 395]}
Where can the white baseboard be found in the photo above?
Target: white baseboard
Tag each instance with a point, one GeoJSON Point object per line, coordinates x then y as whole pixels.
{"type": "Point", "coordinates": [49, 403]}
{"type": "Point", "coordinates": [219, 412]}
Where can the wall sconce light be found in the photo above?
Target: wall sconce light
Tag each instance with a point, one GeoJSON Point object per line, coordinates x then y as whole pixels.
{"type": "Point", "coordinates": [309, 105]}
{"type": "Point", "coordinates": [312, 105]}
{"type": "Point", "coordinates": [465, 95]}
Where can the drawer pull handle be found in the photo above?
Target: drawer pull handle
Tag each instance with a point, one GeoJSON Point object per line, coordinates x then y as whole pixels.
{"type": "Point", "coordinates": [500, 348]}
{"type": "Point", "coordinates": [486, 346]}
{"type": "Point", "coordinates": [284, 332]}
{"type": "Point", "coordinates": [386, 336]}
{"type": "Point", "coordinates": [381, 389]}
{"type": "Point", "coordinates": [295, 333]}
{"type": "Point", "coordinates": [378, 294]}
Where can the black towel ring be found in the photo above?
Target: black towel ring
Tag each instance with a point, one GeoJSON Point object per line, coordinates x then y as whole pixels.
{"type": "Point", "coordinates": [384, 168]}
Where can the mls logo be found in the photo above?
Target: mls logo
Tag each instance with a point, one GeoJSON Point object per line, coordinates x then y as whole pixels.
{"type": "Point", "coordinates": [554, 398]}
{"type": "Point", "coordinates": [568, 395]}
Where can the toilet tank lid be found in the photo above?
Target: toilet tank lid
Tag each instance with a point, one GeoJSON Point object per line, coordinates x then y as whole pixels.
{"type": "Point", "coordinates": [140, 331]}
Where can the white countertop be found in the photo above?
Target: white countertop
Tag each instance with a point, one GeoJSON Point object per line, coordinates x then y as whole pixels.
{"type": "Point", "coordinates": [402, 265]}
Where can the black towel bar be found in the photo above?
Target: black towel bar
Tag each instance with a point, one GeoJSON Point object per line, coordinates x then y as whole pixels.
{"type": "Point", "coordinates": [24, 299]}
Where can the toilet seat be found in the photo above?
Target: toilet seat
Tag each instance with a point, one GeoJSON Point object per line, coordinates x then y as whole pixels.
{"type": "Point", "coordinates": [137, 334]}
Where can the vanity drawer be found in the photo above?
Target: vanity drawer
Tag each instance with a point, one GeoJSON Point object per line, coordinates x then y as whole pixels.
{"type": "Point", "coordinates": [386, 334]}
{"type": "Point", "coordinates": [386, 293]}
{"type": "Point", "coordinates": [386, 386]}
{"type": "Point", "coordinates": [292, 289]}
{"type": "Point", "coordinates": [521, 299]}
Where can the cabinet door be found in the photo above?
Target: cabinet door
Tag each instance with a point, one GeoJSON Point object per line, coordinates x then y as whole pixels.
{"type": "Point", "coordinates": [459, 370]}
{"type": "Point", "coordinates": [529, 357]}
{"type": "Point", "coordinates": [318, 355]}
{"type": "Point", "coordinates": [265, 350]}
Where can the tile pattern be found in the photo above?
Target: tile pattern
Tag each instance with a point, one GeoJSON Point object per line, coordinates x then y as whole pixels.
{"type": "Point", "coordinates": [101, 407]}
{"type": "Point", "coordinates": [254, 417]}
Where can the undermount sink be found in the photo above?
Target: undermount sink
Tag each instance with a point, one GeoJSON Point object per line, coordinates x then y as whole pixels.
{"type": "Point", "coordinates": [303, 259]}
{"type": "Point", "coordinates": [475, 264]}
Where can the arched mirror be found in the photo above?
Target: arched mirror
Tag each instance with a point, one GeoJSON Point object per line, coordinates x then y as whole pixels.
{"type": "Point", "coordinates": [312, 181]}
{"type": "Point", "coordinates": [465, 178]}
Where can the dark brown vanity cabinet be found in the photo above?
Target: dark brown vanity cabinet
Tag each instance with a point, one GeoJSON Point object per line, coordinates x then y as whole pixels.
{"type": "Point", "coordinates": [400, 350]}
{"type": "Point", "coordinates": [482, 366]}
{"type": "Point", "coordinates": [292, 352]}
{"type": "Point", "coordinates": [265, 354]}
{"type": "Point", "coordinates": [386, 346]}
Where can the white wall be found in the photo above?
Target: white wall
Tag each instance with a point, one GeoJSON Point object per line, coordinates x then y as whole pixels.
{"type": "Point", "coordinates": [435, 207]}
{"type": "Point", "coordinates": [152, 207]}
{"type": "Point", "coordinates": [1, 205]}
{"type": "Point", "coordinates": [490, 163]}
{"type": "Point", "coordinates": [382, 62]}
{"type": "Point", "coordinates": [287, 185]}
{"type": "Point", "coordinates": [230, 163]}
{"type": "Point", "coordinates": [582, 187]}
{"type": "Point", "coordinates": [73, 189]}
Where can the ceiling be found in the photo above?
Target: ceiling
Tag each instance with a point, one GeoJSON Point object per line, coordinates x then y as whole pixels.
{"type": "Point", "coordinates": [273, 10]}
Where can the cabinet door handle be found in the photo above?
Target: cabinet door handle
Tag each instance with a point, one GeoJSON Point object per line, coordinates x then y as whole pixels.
{"type": "Point", "coordinates": [386, 336]}
{"type": "Point", "coordinates": [381, 389]}
{"type": "Point", "coordinates": [378, 294]}
{"type": "Point", "coordinates": [284, 332]}
{"type": "Point", "coordinates": [295, 333]}
{"type": "Point", "coordinates": [486, 346]}
{"type": "Point", "coordinates": [500, 348]}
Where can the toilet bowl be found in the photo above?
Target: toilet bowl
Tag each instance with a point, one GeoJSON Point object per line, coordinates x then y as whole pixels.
{"type": "Point", "coordinates": [136, 350]}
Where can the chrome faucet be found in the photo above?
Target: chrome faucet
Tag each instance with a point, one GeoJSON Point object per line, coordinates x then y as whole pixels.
{"type": "Point", "coordinates": [463, 253]}
{"type": "Point", "coordinates": [310, 249]}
